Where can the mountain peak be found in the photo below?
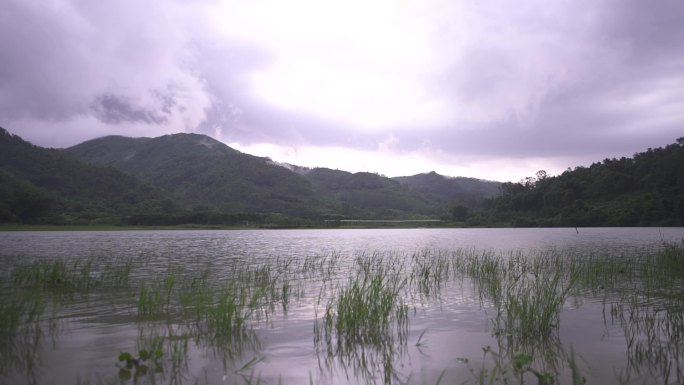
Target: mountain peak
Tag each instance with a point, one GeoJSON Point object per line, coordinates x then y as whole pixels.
{"type": "Point", "coordinates": [181, 139]}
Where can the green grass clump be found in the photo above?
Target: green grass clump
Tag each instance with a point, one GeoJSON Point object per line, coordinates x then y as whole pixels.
{"type": "Point", "coordinates": [369, 306]}
{"type": "Point", "coordinates": [527, 292]}
{"type": "Point", "coordinates": [365, 323]}
{"type": "Point", "coordinates": [227, 318]}
{"type": "Point", "coordinates": [72, 275]}
{"type": "Point", "coordinates": [431, 270]}
{"type": "Point", "coordinates": [154, 299]}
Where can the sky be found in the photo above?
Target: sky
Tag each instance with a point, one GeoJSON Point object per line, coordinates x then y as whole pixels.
{"type": "Point", "coordinates": [491, 89]}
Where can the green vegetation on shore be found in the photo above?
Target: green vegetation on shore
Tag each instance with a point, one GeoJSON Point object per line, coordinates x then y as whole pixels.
{"type": "Point", "coordinates": [182, 179]}
{"type": "Point", "coordinates": [645, 190]}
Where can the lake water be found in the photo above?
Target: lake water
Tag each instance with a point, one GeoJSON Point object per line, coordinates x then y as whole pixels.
{"type": "Point", "coordinates": [625, 330]}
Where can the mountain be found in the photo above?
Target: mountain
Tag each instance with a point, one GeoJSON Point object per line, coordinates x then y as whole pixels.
{"type": "Point", "coordinates": [463, 191]}
{"type": "Point", "coordinates": [363, 193]}
{"type": "Point", "coordinates": [204, 171]}
{"type": "Point", "coordinates": [36, 182]}
{"type": "Point", "coordinates": [192, 178]}
{"type": "Point", "coordinates": [645, 190]}
{"type": "Point", "coordinates": [213, 176]}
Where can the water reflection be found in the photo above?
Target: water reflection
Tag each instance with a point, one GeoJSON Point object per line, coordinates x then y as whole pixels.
{"type": "Point", "coordinates": [652, 318]}
{"type": "Point", "coordinates": [641, 293]}
{"type": "Point", "coordinates": [211, 246]}
{"type": "Point", "coordinates": [364, 328]}
{"type": "Point", "coordinates": [352, 317]}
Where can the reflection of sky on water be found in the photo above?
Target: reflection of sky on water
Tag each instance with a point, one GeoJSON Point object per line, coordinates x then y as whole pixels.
{"type": "Point", "coordinates": [93, 331]}
{"type": "Point", "coordinates": [190, 245]}
{"type": "Point", "coordinates": [594, 342]}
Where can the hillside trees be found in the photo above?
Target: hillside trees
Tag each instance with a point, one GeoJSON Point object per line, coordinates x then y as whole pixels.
{"type": "Point", "coordinates": [645, 190]}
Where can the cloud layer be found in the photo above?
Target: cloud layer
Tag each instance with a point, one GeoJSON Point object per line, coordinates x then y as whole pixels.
{"type": "Point", "coordinates": [544, 84]}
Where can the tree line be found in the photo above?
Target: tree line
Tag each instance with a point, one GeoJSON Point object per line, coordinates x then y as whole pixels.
{"type": "Point", "coordinates": [644, 190]}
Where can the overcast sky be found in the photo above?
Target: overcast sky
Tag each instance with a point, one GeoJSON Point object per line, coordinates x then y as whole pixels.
{"type": "Point", "coordinates": [493, 89]}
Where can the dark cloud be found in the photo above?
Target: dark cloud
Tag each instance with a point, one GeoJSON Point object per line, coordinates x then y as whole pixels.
{"type": "Point", "coordinates": [112, 109]}
{"type": "Point", "coordinates": [649, 31]}
{"type": "Point", "coordinates": [514, 80]}
{"type": "Point", "coordinates": [118, 63]}
{"type": "Point", "coordinates": [39, 75]}
{"type": "Point", "coordinates": [603, 80]}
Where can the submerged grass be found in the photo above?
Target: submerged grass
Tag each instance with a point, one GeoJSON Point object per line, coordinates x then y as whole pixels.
{"type": "Point", "coordinates": [68, 276]}
{"type": "Point", "coordinates": [497, 368]}
{"type": "Point", "coordinates": [365, 323]}
{"type": "Point", "coordinates": [527, 293]}
{"type": "Point", "coordinates": [361, 321]}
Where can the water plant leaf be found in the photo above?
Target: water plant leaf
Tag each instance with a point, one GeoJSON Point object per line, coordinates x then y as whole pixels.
{"type": "Point", "coordinates": [521, 361]}
{"type": "Point", "coordinates": [125, 356]}
{"type": "Point", "coordinates": [144, 354]}
{"type": "Point", "coordinates": [543, 378]}
{"type": "Point", "coordinates": [250, 364]}
{"type": "Point", "coordinates": [420, 343]}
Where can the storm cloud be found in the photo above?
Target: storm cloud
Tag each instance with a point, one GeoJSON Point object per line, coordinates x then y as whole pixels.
{"type": "Point", "coordinates": [546, 84]}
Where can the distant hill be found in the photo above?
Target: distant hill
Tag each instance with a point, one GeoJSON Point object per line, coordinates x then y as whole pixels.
{"type": "Point", "coordinates": [36, 182]}
{"type": "Point", "coordinates": [453, 190]}
{"type": "Point", "coordinates": [192, 178]}
{"type": "Point", "coordinates": [210, 174]}
{"type": "Point", "coordinates": [645, 190]}
{"type": "Point", "coordinates": [204, 171]}
{"type": "Point", "coordinates": [366, 193]}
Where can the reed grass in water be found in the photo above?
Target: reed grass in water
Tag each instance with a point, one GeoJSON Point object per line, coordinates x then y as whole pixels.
{"type": "Point", "coordinates": [362, 320]}
{"type": "Point", "coordinates": [365, 323]}
{"type": "Point", "coordinates": [527, 293]}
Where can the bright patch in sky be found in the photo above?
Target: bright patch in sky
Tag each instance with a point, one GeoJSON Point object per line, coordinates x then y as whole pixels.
{"type": "Point", "coordinates": [355, 61]}
{"type": "Point", "coordinates": [394, 164]}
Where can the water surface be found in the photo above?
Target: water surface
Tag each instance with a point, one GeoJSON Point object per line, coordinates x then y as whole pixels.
{"type": "Point", "coordinates": [79, 336]}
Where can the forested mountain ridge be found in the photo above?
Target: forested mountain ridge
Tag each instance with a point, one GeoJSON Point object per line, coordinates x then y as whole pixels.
{"type": "Point", "coordinates": [188, 178]}
{"type": "Point", "coordinates": [446, 188]}
{"type": "Point", "coordinates": [644, 190]}
{"type": "Point", "coordinates": [351, 194]}
{"type": "Point", "coordinates": [205, 172]}
{"type": "Point", "coordinates": [191, 178]}
{"type": "Point", "coordinates": [460, 194]}
{"type": "Point", "coordinates": [215, 177]}
{"type": "Point", "coordinates": [46, 184]}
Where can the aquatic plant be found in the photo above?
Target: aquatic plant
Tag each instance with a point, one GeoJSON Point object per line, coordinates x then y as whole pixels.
{"type": "Point", "coordinates": [526, 292]}
{"type": "Point", "coordinates": [363, 310]}
{"type": "Point", "coordinates": [430, 271]}
{"type": "Point", "coordinates": [72, 275]}
{"type": "Point", "coordinates": [510, 369]}
{"type": "Point", "coordinates": [131, 366]}
{"type": "Point", "coordinates": [365, 324]}
{"type": "Point", "coordinates": [155, 298]}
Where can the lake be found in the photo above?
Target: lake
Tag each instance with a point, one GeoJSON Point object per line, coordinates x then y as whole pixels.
{"type": "Point", "coordinates": [416, 306]}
